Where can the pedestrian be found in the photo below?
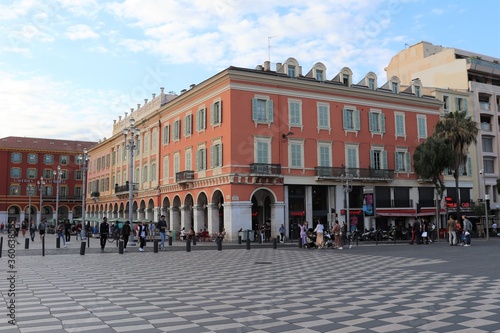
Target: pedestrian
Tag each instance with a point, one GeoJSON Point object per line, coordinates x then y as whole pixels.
{"type": "Point", "coordinates": [17, 227]}
{"type": "Point", "coordinates": [319, 230]}
{"type": "Point", "coordinates": [162, 227]}
{"type": "Point", "coordinates": [282, 231]}
{"type": "Point", "coordinates": [104, 232]}
{"type": "Point", "coordinates": [467, 230]}
{"type": "Point", "coordinates": [425, 231]}
{"type": "Point", "coordinates": [142, 232]}
{"type": "Point", "coordinates": [151, 231]}
{"type": "Point", "coordinates": [32, 230]}
{"type": "Point", "coordinates": [336, 235]}
{"type": "Point", "coordinates": [262, 233]}
{"type": "Point", "coordinates": [24, 228]}
{"type": "Point", "coordinates": [13, 230]}
{"type": "Point", "coordinates": [452, 233]}
{"type": "Point", "coordinates": [88, 230]}
{"type": "Point", "coordinates": [343, 234]}
{"type": "Point", "coordinates": [126, 230]}
{"type": "Point", "coordinates": [458, 228]}
{"type": "Point", "coordinates": [493, 229]}
{"type": "Point", "coordinates": [78, 230]}
{"type": "Point", "coordinates": [183, 234]}
{"type": "Point", "coordinates": [41, 228]}
{"type": "Point", "coordinates": [415, 232]}
{"type": "Point", "coordinates": [60, 233]}
{"type": "Point", "coordinates": [67, 231]}
{"type": "Point", "coordinates": [2, 226]}
{"type": "Point", "coordinates": [303, 232]}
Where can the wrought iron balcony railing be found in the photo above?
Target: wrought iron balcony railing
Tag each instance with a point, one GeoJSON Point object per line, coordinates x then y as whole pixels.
{"type": "Point", "coordinates": [265, 169]}
{"type": "Point", "coordinates": [184, 176]}
{"type": "Point", "coordinates": [354, 173]}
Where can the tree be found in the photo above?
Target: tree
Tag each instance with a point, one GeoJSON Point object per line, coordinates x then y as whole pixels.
{"type": "Point", "coordinates": [459, 131]}
{"type": "Point", "coordinates": [429, 160]}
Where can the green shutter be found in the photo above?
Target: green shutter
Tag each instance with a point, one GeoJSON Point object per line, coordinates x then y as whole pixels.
{"type": "Point", "coordinates": [220, 112]}
{"type": "Point", "coordinates": [345, 121]}
{"type": "Point", "coordinates": [212, 115]}
{"type": "Point", "coordinates": [212, 151]}
{"type": "Point", "coordinates": [382, 123]}
{"type": "Point", "coordinates": [254, 109]}
{"type": "Point", "coordinates": [372, 158]}
{"type": "Point", "coordinates": [384, 160]}
{"type": "Point", "coordinates": [371, 120]}
{"type": "Point", "coordinates": [270, 111]}
{"type": "Point", "coordinates": [220, 154]}
{"type": "Point", "coordinates": [357, 124]}
{"type": "Point", "coordinates": [408, 162]}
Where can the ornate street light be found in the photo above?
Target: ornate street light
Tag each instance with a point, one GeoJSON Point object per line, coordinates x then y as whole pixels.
{"type": "Point", "coordinates": [57, 178]}
{"type": "Point", "coordinates": [83, 159]}
{"type": "Point", "coordinates": [40, 184]}
{"type": "Point", "coordinates": [486, 198]}
{"type": "Point", "coordinates": [346, 179]}
{"type": "Point", "coordinates": [131, 135]}
{"type": "Point", "coordinates": [30, 191]}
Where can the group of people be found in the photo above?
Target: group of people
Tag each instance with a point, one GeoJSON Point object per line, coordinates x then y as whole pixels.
{"type": "Point", "coordinates": [422, 232]}
{"type": "Point", "coordinates": [459, 232]}
{"type": "Point", "coordinates": [338, 231]}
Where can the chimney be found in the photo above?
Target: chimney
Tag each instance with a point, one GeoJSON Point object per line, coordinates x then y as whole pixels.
{"type": "Point", "coordinates": [145, 101]}
{"type": "Point", "coordinates": [114, 122]}
{"type": "Point", "coordinates": [267, 66]}
{"type": "Point", "coordinates": [138, 106]}
{"type": "Point", "coordinates": [278, 66]}
{"type": "Point", "coordinates": [300, 71]}
{"type": "Point", "coordinates": [154, 95]}
{"type": "Point", "coordinates": [131, 110]}
{"type": "Point", "coordinates": [119, 118]}
{"type": "Point", "coordinates": [161, 89]}
{"type": "Point", "coordinates": [191, 86]}
{"type": "Point", "coordinates": [126, 114]}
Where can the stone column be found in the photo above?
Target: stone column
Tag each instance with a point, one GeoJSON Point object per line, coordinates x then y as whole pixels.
{"type": "Point", "coordinates": [213, 218]}
{"type": "Point", "coordinates": [237, 215]}
{"type": "Point", "coordinates": [278, 218]}
{"type": "Point", "coordinates": [309, 206]}
{"type": "Point", "coordinates": [156, 214]}
{"type": "Point", "coordinates": [175, 219]}
{"type": "Point", "coordinates": [199, 221]}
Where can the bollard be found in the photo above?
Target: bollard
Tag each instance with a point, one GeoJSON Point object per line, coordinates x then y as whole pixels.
{"type": "Point", "coordinates": [260, 239]}
{"type": "Point", "coordinates": [219, 244]}
{"type": "Point", "coordinates": [248, 243]}
{"type": "Point", "coordinates": [26, 243]}
{"type": "Point", "coordinates": [169, 240]}
{"type": "Point", "coordinates": [155, 246]}
{"type": "Point", "coordinates": [300, 242]}
{"type": "Point", "coordinates": [239, 239]}
{"type": "Point", "coordinates": [120, 246]}
{"type": "Point", "coordinates": [88, 241]}
{"type": "Point", "coordinates": [1, 245]}
{"type": "Point", "coordinates": [194, 240]}
{"type": "Point", "coordinates": [82, 248]}
{"type": "Point", "coordinates": [43, 246]}
{"type": "Point", "coordinates": [188, 245]}
{"type": "Point", "coordinates": [275, 243]}
{"type": "Point", "coordinates": [58, 242]}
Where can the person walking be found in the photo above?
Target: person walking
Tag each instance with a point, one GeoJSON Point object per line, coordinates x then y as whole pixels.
{"type": "Point", "coordinates": [17, 226]}
{"type": "Point", "coordinates": [151, 231]}
{"type": "Point", "coordinates": [452, 234]}
{"type": "Point", "coordinates": [319, 230]}
{"type": "Point", "coordinates": [467, 230]}
{"type": "Point", "coordinates": [60, 233]}
{"type": "Point", "coordinates": [282, 232]}
{"type": "Point", "coordinates": [88, 230]}
{"type": "Point", "coordinates": [415, 235]}
{"type": "Point", "coordinates": [126, 230]}
{"type": "Point", "coordinates": [32, 231]}
{"type": "Point", "coordinates": [303, 232]}
{"type": "Point", "coordinates": [24, 227]}
{"type": "Point", "coordinates": [162, 227]}
{"type": "Point", "coordinates": [41, 228]}
{"type": "Point", "coordinates": [336, 235]}
{"type": "Point", "coordinates": [103, 232]}
{"type": "Point", "coordinates": [78, 230]}
{"type": "Point", "coordinates": [142, 232]}
{"type": "Point", "coordinates": [67, 231]}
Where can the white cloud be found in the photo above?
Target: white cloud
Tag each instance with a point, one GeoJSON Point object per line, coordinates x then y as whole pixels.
{"type": "Point", "coordinates": [80, 31]}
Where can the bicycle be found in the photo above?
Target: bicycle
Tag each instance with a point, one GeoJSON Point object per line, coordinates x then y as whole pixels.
{"type": "Point", "coordinates": [114, 236]}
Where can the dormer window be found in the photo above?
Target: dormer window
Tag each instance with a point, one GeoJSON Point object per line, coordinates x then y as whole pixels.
{"type": "Point", "coordinates": [319, 75]}
{"type": "Point", "coordinates": [371, 84]}
{"type": "Point", "coordinates": [291, 71]}
{"type": "Point", "coordinates": [395, 87]}
{"type": "Point", "coordinates": [345, 79]}
{"type": "Point", "coordinates": [417, 91]}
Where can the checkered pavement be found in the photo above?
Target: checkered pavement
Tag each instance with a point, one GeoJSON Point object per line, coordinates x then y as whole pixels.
{"type": "Point", "coordinates": [261, 290]}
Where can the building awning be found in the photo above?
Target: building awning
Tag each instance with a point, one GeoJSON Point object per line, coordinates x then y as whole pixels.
{"type": "Point", "coordinates": [405, 212]}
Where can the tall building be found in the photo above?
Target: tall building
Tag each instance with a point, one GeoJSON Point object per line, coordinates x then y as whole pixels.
{"type": "Point", "coordinates": [465, 81]}
{"type": "Point", "coordinates": [249, 147]}
{"type": "Point", "coordinates": [31, 176]}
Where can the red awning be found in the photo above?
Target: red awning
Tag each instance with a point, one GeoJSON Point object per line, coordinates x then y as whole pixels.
{"type": "Point", "coordinates": [405, 212]}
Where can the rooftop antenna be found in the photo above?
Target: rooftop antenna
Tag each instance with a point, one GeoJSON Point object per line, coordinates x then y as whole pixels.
{"type": "Point", "coordinates": [269, 47]}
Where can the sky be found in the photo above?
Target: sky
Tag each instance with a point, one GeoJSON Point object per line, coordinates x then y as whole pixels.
{"type": "Point", "coordinates": [68, 68]}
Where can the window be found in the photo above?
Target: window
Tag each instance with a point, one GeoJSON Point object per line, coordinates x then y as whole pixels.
{"type": "Point", "coordinates": [422, 127]}
{"type": "Point", "coordinates": [400, 124]}
{"type": "Point", "coordinates": [395, 87]}
{"type": "Point", "coordinates": [47, 174]}
{"type": "Point", "coordinates": [144, 173]}
{"type": "Point", "coordinates": [291, 71]}
{"type": "Point", "coordinates": [31, 173]}
{"type": "Point", "coordinates": [352, 156]}
{"type": "Point", "coordinates": [262, 110]}
{"type": "Point", "coordinates": [345, 79]}
{"type": "Point", "coordinates": [15, 190]}
{"type": "Point", "coordinates": [201, 119]}
{"type": "Point", "coordinates": [16, 157]}
{"type": "Point", "coordinates": [262, 152]}
{"type": "Point", "coordinates": [377, 121]}
{"type": "Point", "coordinates": [78, 175]}
{"type": "Point", "coordinates": [154, 140]}
{"type": "Point", "coordinates": [417, 91]}
{"type": "Point", "coordinates": [378, 158]}
{"type": "Point", "coordinates": [350, 119]}
{"type": "Point", "coordinates": [166, 169]}
{"type": "Point", "coordinates": [216, 155]}
{"type": "Point", "coordinates": [63, 191]}
{"type": "Point", "coordinates": [325, 154]}
{"type": "Point", "coordinates": [177, 163]}
{"type": "Point", "coordinates": [15, 173]}
{"type": "Point", "coordinates": [324, 116]}
{"type": "Point", "coordinates": [487, 143]}
{"type": "Point", "coordinates": [446, 103]}
{"type": "Point", "coordinates": [466, 169]}
{"type": "Point", "coordinates": [32, 158]}
{"type": "Point", "coordinates": [371, 83]}
{"type": "Point", "coordinates": [63, 159]}
{"type": "Point", "coordinates": [48, 190]}
{"type": "Point", "coordinates": [461, 104]}
{"type": "Point", "coordinates": [146, 142]}
{"type": "Point", "coordinates": [296, 154]}
{"type": "Point", "coordinates": [319, 75]}
{"type": "Point", "coordinates": [177, 130]}
{"type": "Point", "coordinates": [48, 159]}
{"type": "Point", "coordinates": [188, 156]}
{"type": "Point", "coordinates": [216, 113]}
{"type": "Point", "coordinates": [188, 125]}
{"type": "Point", "coordinates": [64, 174]}
{"type": "Point", "coordinates": [402, 160]}
{"type": "Point", "coordinates": [295, 113]}
{"type": "Point", "coordinates": [152, 172]}
{"type": "Point", "coordinates": [77, 191]}
{"type": "Point", "coordinates": [201, 159]}
{"type": "Point", "coordinates": [166, 135]}
{"type": "Point", "coordinates": [488, 165]}
{"type": "Point", "coordinates": [137, 175]}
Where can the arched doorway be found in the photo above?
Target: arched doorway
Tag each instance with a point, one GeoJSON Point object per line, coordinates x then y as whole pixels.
{"type": "Point", "coordinates": [263, 212]}
{"type": "Point", "coordinates": [201, 212]}
{"type": "Point", "coordinates": [217, 211]}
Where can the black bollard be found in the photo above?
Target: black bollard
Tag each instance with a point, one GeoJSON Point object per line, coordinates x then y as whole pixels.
{"type": "Point", "coordinates": [300, 242]}
{"type": "Point", "coordinates": [120, 246]}
{"type": "Point", "coordinates": [88, 241]}
{"type": "Point", "coordinates": [275, 243]}
{"type": "Point", "coordinates": [155, 246]}
{"type": "Point", "coordinates": [169, 240]}
{"type": "Point", "coordinates": [248, 243]}
{"type": "Point", "coordinates": [194, 240]}
{"type": "Point", "coordinates": [260, 239]}
{"type": "Point", "coordinates": [82, 248]}
{"type": "Point", "coordinates": [43, 246]}
{"type": "Point", "coordinates": [1, 245]}
{"type": "Point", "coordinates": [239, 239]}
{"type": "Point", "coordinates": [58, 242]}
{"type": "Point", "coordinates": [26, 243]}
{"type": "Point", "coordinates": [219, 244]}
{"type": "Point", "coordinates": [188, 245]}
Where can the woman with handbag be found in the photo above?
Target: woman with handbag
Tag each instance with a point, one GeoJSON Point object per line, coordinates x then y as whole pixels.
{"type": "Point", "coordinates": [425, 232]}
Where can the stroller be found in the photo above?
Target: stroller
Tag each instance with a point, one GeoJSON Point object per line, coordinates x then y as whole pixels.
{"type": "Point", "coordinates": [310, 240]}
{"type": "Point", "coordinates": [327, 240]}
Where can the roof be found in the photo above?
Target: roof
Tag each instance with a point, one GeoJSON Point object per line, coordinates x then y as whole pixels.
{"type": "Point", "coordinates": [22, 143]}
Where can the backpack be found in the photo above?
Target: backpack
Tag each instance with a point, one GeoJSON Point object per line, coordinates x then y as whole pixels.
{"type": "Point", "coordinates": [468, 225]}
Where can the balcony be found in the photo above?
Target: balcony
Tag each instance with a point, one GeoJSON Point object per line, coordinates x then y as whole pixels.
{"type": "Point", "coordinates": [338, 173]}
{"type": "Point", "coordinates": [94, 194]}
{"type": "Point", "coordinates": [124, 189]}
{"type": "Point", "coordinates": [265, 169]}
{"type": "Point", "coordinates": [184, 176]}
{"type": "Point", "coordinates": [485, 106]}
{"type": "Point", "coordinates": [486, 127]}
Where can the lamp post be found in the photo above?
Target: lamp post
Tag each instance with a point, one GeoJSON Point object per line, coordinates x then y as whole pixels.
{"type": "Point", "coordinates": [131, 135]}
{"type": "Point", "coordinates": [346, 179]}
{"type": "Point", "coordinates": [83, 158]}
{"type": "Point", "coordinates": [57, 178]}
{"type": "Point", "coordinates": [40, 183]}
{"type": "Point", "coordinates": [486, 198]}
{"type": "Point", "coordinates": [29, 189]}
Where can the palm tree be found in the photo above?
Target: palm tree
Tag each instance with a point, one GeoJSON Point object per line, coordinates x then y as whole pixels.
{"type": "Point", "coordinates": [459, 131]}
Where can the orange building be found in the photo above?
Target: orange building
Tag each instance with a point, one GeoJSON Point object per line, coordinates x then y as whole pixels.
{"type": "Point", "coordinates": [250, 147]}
{"type": "Point", "coordinates": [28, 161]}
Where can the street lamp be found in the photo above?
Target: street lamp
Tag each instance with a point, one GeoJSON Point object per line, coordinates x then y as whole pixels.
{"type": "Point", "coordinates": [40, 183]}
{"type": "Point", "coordinates": [346, 179]}
{"type": "Point", "coordinates": [486, 198]}
{"type": "Point", "coordinates": [29, 189]}
{"type": "Point", "coordinates": [131, 135]}
{"type": "Point", "coordinates": [83, 158]}
{"type": "Point", "coordinates": [57, 178]}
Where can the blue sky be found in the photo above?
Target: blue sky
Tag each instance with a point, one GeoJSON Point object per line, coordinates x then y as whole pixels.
{"type": "Point", "coordinates": [68, 68]}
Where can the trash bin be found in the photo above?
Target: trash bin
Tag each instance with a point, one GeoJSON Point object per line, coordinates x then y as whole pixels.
{"type": "Point", "coordinates": [251, 235]}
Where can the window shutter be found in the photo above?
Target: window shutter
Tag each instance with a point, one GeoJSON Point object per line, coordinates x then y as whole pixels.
{"type": "Point", "coordinates": [270, 111]}
{"type": "Point", "coordinates": [382, 123]}
{"type": "Point", "coordinates": [198, 120]}
{"type": "Point", "coordinates": [220, 112]}
{"type": "Point", "coordinates": [212, 115]}
{"type": "Point", "coordinates": [469, 166]}
{"type": "Point", "coordinates": [345, 120]}
{"type": "Point", "coordinates": [372, 158]}
{"type": "Point", "coordinates": [383, 160]}
{"type": "Point", "coordinates": [220, 154]}
{"type": "Point", "coordinates": [197, 160]}
{"type": "Point", "coordinates": [372, 120]}
{"type": "Point", "coordinates": [457, 103]}
{"type": "Point", "coordinates": [466, 106]}
{"type": "Point", "coordinates": [408, 162]}
{"type": "Point", "coordinates": [204, 158]}
{"type": "Point", "coordinates": [212, 152]}
{"type": "Point", "coordinates": [357, 125]}
{"type": "Point", "coordinates": [254, 109]}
